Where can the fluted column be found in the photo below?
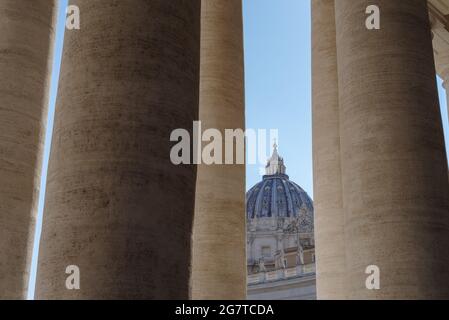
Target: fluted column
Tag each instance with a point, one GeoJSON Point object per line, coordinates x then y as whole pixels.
{"type": "Point", "coordinates": [394, 167]}
{"type": "Point", "coordinates": [26, 40]}
{"type": "Point", "coordinates": [116, 206]}
{"type": "Point", "coordinates": [328, 206]}
{"type": "Point", "coordinates": [219, 255]}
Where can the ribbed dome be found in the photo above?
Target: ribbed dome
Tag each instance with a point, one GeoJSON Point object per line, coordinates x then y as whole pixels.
{"type": "Point", "coordinates": [278, 197]}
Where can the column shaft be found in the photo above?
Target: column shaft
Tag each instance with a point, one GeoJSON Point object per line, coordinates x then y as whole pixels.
{"type": "Point", "coordinates": [116, 206]}
{"type": "Point", "coordinates": [219, 255]}
{"type": "Point", "coordinates": [329, 218]}
{"type": "Point", "coordinates": [26, 36]}
{"type": "Point", "coordinates": [394, 167]}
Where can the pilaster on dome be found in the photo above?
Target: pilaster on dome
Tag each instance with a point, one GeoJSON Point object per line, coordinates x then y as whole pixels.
{"type": "Point", "coordinates": [275, 165]}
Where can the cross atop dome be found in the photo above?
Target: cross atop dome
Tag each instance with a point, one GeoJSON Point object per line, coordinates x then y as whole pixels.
{"type": "Point", "coordinates": [275, 164]}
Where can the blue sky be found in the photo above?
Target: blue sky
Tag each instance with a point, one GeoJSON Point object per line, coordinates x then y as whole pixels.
{"type": "Point", "coordinates": [278, 89]}
{"type": "Point", "coordinates": [444, 112]}
{"type": "Point", "coordinates": [278, 81]}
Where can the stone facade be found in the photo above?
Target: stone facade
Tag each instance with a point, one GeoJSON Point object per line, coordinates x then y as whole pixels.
{"type": "Point", "coordinates": [280, 237]}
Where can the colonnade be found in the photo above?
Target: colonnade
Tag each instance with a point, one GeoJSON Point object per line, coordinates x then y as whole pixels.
{"type": "Point", "coordinates": [116, 207]}
{"type": "Point", "coordinates": [139, 227]}
{"type": "Point", "coordinates": [387, 180]}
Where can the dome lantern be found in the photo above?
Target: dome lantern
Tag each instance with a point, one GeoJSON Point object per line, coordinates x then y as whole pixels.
{"type": "Point", "coordinates": [275, 164]}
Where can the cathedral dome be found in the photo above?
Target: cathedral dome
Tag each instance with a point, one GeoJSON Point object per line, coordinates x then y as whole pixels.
{"type": "Point", "coordinates": [276, 196]}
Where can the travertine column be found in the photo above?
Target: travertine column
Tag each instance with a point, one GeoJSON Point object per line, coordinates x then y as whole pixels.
{"type": "Point", "coordinates": [116, 206]}
{"type": "Point", "coordinates": [329, 219]}
{"type": "Point", "coordinates": [26, 35]}
{"type": "Point", "coordinates": [219, 255]}
{"type": "Point", "coordinates": [394, 168]}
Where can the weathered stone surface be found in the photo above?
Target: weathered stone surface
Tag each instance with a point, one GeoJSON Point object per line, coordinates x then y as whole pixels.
{"type": "Point", "coordinates": [219, 258]}
{"type": "Point", "coordinates": [26, 35]}
{"type": "Point", "coordinates": [394, 167]}
{"type": "Point", "coordinates": [116, 206]}
{"type": "Point", "coordinates": [329, 217]}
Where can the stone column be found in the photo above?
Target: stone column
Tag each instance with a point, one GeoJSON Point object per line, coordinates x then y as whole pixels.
{"type": "Point", "coordinates": [394, 167]}
{"type": "Point", "coordinates": [26, 42]}
{"type": "Point", "coordinates": [116, 206]}
{"type": "Point", "coordinates": [219, 256]}
{"type": "Point", "coordinates": [328, 206]}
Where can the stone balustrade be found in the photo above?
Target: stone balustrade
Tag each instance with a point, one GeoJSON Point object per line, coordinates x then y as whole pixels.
{"type": "Point", "coordinates": [281, 274]}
